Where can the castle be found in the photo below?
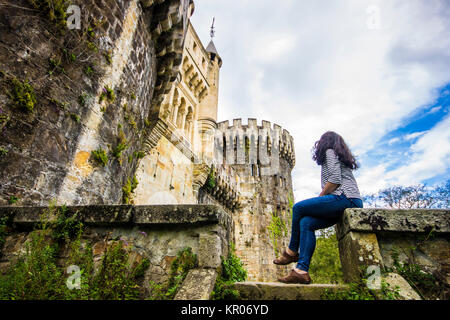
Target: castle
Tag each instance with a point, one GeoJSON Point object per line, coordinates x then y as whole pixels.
{"type": "Point", "coordinates": [198, 160]}
{"type": "Point", "coordinates": [149, 107]}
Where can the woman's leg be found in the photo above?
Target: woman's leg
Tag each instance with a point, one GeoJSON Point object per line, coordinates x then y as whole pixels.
{"type": "Point", "coordinates": [308, 226]}
{"type": "Point", "coordinates": [329, 206]}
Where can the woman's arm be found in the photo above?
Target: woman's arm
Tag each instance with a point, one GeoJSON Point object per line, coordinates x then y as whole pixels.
{"type": "Point", "coordinates": [328, 188]}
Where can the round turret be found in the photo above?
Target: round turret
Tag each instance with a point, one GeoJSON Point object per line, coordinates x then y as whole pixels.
{"type": "Point", "coordinates": [253, 144]}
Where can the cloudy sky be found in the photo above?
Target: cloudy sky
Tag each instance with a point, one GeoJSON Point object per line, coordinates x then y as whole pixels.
{"type": "Point", "coordinates": [376, 72]}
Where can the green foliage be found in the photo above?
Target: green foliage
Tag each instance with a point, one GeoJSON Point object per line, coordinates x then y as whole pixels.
{"type": "Point", "coordinates": [3, 151]}
{"type": "Point", "coordinates": [90, 32]}
{"type": "Point", "coordinates": [138, 154]}
{"type": "Point", "coordinates": [117, 151]}
{"type": "Point", "coordinates": [75, 117]}
{"type": "Point", "coordinates": [89, 70]}
{"type": "Point", "coordinates": [54, 9]}
{"type": "Point", "coordinates": [128, 189]}
{"type": "Point", "coordinates": [82, 99]}
{"type": "Point", "coordinates": [425, 284]}
{"type": "Point", "coordinates": [325, 264]}
{"type": "Point", "coordinates": [22, 95]}
{"type": "Point", "coordinates": [121, 145]}
{"type": "Point", "coordinates": [4, 118]}
{"type": "Point", "coordinates": [277, 228]}
{"type": "Point", "coordinates": [13, 199]}
{"type": "Point", "coordinates": [66, 226]}
{"type": "Point", "coordinates": [132, 122]}
{"type": "Point", "coordinates": [37, 274]}
{"type": "Point", "coordinates": [108, 94]}
{"type": "Point", "coordinates": [116, 279]}
{"type": "Point", "coordinates": [358, 290]}
{"type": "Point", "coordinates": [107, 56]}
{"type": "Point", "coordinates": [91, 46]}
{"type": "Point", "coordinates": [232, 271]}
{"type": "Point", "coordinates": [3, 231]}
{"type": "Point", "coordinates": [185, 261]}
{"type": "Point", "coordinates": [100, 156]}
{"type": "Point", "coordinates": [211, 182]}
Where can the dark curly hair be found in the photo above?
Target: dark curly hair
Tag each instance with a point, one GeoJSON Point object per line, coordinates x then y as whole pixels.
{"type": "Point", "coordinates": [331, 140]}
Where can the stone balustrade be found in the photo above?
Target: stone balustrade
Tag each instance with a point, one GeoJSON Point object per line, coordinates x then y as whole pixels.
{"type": "Point", "coordinates": [156, 232]}
{"type": "Point", "coordinates": [373, 237]}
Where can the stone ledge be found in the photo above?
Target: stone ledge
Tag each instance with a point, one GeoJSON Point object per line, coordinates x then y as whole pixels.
{"type": "Point", "coordinates": [128, 214]}
{"type": "Point", "coordinates": [282, 291]}
{"type": "Point", "coordinates": [391, 220]}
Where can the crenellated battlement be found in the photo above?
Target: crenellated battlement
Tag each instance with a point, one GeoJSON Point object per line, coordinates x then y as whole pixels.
{"type": "Point", "coordinates": [253, 143]}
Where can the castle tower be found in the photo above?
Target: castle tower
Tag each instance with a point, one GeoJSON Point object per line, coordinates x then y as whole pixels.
{"type": "Point", "coordinates": [263, 157]}
{"type": "Point", "coordinates": [207, 117]}
{"type": "Point", "coordinates": [207, 113]}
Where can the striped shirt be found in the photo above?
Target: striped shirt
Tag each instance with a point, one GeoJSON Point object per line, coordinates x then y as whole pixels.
{"type": "Point", "coordinates": [336, 172]}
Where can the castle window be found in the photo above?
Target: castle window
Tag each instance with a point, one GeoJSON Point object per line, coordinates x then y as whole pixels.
{"type": "Point", "coordinates": [224, 149]}
{"type": "Point", "coordinates": [235, 149]}
{"type": "Point", "coordinates": [188, 124]}
{"type": "Point", "coordinates": [194, 46]}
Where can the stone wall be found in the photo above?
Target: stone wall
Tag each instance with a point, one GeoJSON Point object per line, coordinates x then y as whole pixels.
{"type": "Point", "coordinates": [154, 232]}
{"type": "Point", "coordinates": [97, 87]}
{"type": "Point", "coordinates": [372, 237]}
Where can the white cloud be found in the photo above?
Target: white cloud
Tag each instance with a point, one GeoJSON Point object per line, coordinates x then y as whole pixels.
{"type": "Point", "coordinates": [428, 157]}
{"type": "Point", "coordinates": [431, 156]}
{"type": "Point", "coordinates": [415, 135]}
{"type": "Point", "coordinates": [312, 67]}
{"type": "Point", "coordinates": [435, 109]}
{"type": "Point", "coordinates": [393, 140]}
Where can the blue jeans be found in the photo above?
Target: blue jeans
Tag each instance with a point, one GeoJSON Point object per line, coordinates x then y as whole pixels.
{"type": "Point", "coordinates": [312, 214]}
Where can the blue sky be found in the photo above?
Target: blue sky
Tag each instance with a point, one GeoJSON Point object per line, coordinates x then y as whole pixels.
{"type": "Point", "coordinates": [377, 72]}
{"type": "Point", "coordinates": [395, 145]}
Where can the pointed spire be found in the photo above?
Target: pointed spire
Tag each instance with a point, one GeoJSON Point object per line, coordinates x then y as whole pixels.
{"type": "Point", "coordinates": [211, 48]}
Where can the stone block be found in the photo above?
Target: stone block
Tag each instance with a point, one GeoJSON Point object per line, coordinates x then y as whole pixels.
{"type": "Point", "coordinates": [209, 251]}
{"type": "Point", "coordinates": [283, 291]}
{"type": "Point", "coordinates": [198, 285]}
{"type": "Point", "coordinates": [356, 251]}
{"type": "Point", "coordinates": [397, 282]}
{"type": "Point", "coordinates": [389, 220]}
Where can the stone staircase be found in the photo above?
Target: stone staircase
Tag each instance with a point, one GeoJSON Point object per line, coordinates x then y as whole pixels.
{"type": "Point", "coordinates": [250, 290]}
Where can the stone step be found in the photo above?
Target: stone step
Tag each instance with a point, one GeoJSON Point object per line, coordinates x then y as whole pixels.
{"type": "Point", "coordinates": [250, 290]}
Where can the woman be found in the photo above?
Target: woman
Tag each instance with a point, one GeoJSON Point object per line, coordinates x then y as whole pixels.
{"type": "Point", "coordinates": [339, 191]}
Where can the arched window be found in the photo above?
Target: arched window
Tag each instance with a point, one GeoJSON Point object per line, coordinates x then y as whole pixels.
{"type": "Point", "coordinates": [188, 124]}
{"type": "Point", "coordinates": [180, 115]}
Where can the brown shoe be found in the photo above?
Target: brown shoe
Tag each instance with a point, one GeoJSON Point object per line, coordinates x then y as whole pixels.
{"type": "Point", "coordinates": [286, 259]}
{"type": "Point", "coordinates": [295, 277]}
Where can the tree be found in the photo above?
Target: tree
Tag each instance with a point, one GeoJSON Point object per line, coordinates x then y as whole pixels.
{"type": "Point", "coordinates": [411, 197]}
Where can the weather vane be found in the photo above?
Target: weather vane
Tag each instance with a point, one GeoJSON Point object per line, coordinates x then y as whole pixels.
{"type": "Point", "coordinates": [212, 28]}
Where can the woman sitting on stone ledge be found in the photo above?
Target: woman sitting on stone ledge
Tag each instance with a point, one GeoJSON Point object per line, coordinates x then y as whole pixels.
{"type": "Point", "coordinates": [339, 191]}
